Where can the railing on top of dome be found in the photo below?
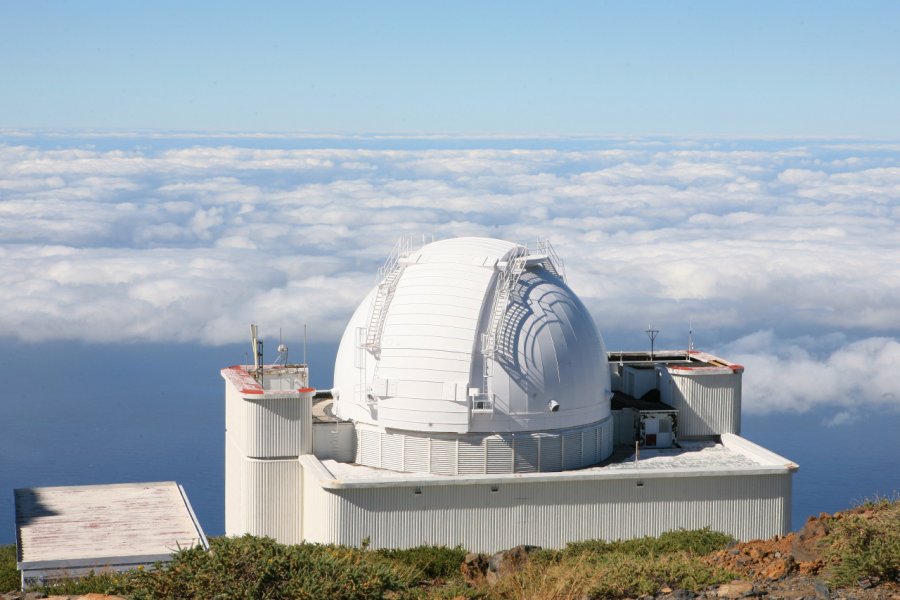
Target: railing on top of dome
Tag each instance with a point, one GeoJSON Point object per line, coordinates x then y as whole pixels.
{"type": "Point", "coordinates": [554, 263]}
{"type": "Point", "coordinates": [388, 276]}
{"type": "Point", "coordinates": [518, 260]}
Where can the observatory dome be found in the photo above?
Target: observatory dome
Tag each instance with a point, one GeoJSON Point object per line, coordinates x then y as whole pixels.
{"type": "Point", "coordinates": [469, 336]}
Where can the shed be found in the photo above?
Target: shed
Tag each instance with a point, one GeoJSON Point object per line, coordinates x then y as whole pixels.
{"type": "Point", "coordinates": [69, 531]}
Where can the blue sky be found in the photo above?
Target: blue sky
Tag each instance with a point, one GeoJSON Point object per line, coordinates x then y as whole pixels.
{"type": "Point", "coordinates": [734, 165]}
{"type": "Point", "coordinates": [571, 68]}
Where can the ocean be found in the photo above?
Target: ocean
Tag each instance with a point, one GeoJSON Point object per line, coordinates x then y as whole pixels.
{"type": "Point", "coordinates": [74, 413]}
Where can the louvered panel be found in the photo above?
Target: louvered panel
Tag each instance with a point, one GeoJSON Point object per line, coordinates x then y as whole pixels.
{"type": "Point", "coordinates": [368, 450]}
{"type": "Point", "coordinates": [499, 454]}
{"type": "Point", "coordinates": [474, 454]}
{"type": "Point", "coordinates": [392, 452]}
{"type": "Point", "coordinates": [443, 457]}
{"type": "Point", "coordinates": [588, 447]}
{"type": "Point", "coordinates": [416, 455]}
{"type": "Point", "coordinates": [571, 457]}
{"type": "Point", "coordinates": [551, 453]}
{"type": "Point", "coordinates": [525, 454]}
{"type": "Point", "coordinates": [472, 459]}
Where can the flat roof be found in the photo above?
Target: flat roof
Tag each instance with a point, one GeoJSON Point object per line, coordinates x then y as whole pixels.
{"type": "Point", "coordinates": [732, 455]}
{"type": "Point", "coordinates": [676, 360]}
{"type": "Point", "coordinates": [100, 525]}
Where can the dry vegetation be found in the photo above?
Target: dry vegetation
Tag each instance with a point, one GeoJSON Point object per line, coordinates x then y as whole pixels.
{"type": "Point", "coordinates": [858, 546]}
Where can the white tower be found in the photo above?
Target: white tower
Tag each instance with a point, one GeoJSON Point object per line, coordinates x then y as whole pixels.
{"type": "Point", "coordinates": [268, 424]}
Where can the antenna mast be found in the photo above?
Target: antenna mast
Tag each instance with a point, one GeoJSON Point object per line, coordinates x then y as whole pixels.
{"type": "Point", "coordinates": [690, 335]}
{"type": "Point", "coordinates": [257, 346]}
{"type": "Point", "coordinates": [651, 333]}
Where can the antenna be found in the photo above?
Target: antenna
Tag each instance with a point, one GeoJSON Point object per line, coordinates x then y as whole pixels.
{"type": "Point", "coordinates": [690, 335]}
{"type": "Point", "coordinates": [304, 344]}
{"type": "Point", "coordinates": [257, 346]}
{"type": "Point", "coordinates": [651, 333]}
{"type": "Point", "coordinates": [282, 351]}
{"type": "Point", "coordinates": [254, 339]}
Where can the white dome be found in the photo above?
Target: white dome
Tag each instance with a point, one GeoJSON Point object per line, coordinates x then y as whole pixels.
{"type": "Point", "coordinates": [425, 371]}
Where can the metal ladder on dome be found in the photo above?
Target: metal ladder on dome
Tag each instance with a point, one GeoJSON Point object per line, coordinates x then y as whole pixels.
{"type": "Point", "coordinates": [520, 259]}
{"type": "Point", "coordinates": [506, 282]}
{"type": "Point", "coordinates": [389, 275]}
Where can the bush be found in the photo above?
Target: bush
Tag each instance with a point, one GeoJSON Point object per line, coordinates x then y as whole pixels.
{"type": "Point", "coordinates": [864, 544]}
{"type": "Point", "coordinates": [9, 575]}
{"type": "Point", "coordinates": [632, 575]}
{"type": "Point", "coordinates": [250, 567]}
{"type": "Point", "coordinates": [97, 583]}
{"type": "Point", "coordinates": [429, 562]}
{"type": "Point", "coordinates": [697, 542]}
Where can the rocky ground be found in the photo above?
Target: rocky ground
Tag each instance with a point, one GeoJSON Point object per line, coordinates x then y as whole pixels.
{"type": "Point", "coordinates": [791, 567]}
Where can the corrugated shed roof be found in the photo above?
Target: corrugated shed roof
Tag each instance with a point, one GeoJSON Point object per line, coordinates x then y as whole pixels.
{"type": "Point", "coordinates": [95, 524]}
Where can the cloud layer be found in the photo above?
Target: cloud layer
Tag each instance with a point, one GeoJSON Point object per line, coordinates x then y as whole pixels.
{"type": "Point", "coordinates": [754, 242]}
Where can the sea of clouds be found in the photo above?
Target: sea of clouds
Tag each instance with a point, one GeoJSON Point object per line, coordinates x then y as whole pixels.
{"type": "Point", "coordinates": [783, 255]}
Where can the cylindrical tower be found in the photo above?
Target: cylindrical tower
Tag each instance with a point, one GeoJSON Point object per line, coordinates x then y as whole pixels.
{"type": "Point", "coordinates": [268, 426]}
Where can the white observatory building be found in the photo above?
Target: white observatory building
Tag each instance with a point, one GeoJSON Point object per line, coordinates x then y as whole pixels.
{"type": "Point", "coordinates": [474, 404]}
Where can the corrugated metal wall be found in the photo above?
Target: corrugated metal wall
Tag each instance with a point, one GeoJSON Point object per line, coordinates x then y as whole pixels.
{"type": "Point", "coordinates": [707, 404]}
{"type": "Point", "coordinates": [334, 440]}
{"type": "Point", "coordinates": [625, 426]}
{"type": "Point", "coordinates": [271, 492]}
{"type": "Point", "coordinates": [269, 425]}
{"type": "Point", "coordinates": [262, 496]}
{"type": "Point", "coordinates": [265, 434]}
{"type": "Point", "coordinates": [488, 518]}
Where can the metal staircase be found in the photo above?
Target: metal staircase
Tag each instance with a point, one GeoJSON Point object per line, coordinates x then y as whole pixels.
{"type": "Point", "coordinates": [519, 259]}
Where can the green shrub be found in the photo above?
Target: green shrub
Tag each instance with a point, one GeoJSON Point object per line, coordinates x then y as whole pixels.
{"type": "Point", "coordinates": [9, 575]}
{"type": "Point", "coordinates": [254, 568]}
{"type": "Point", "coordinates": [430, 562]}
{"type": "Point", "coordinates": [624, 574]}
{"type": "Point", "coordinates": [697, 542]}
{"type": "Point", "coordinates": [865, 545]}
{"type": "Point", "coordinates": [97, 583]}
{"type": "Point", "coordinates": [250, 567]}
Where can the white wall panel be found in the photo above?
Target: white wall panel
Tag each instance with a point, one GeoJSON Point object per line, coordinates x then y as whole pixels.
{"type": "Point", "coordinates": [334, 440]}
{"type": "Point", "coordinates": [262, 497]}
{"type": "Point", "coordinates": [448, 454]}
{"type": "Point", "coordinates": [707, 404]}
{"type": "Point", "coordinates": [271, 490]}
{"type": "Point", "coordinates": [269, 425]}
{"type": "Point", "coordinates": [549, 514]}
